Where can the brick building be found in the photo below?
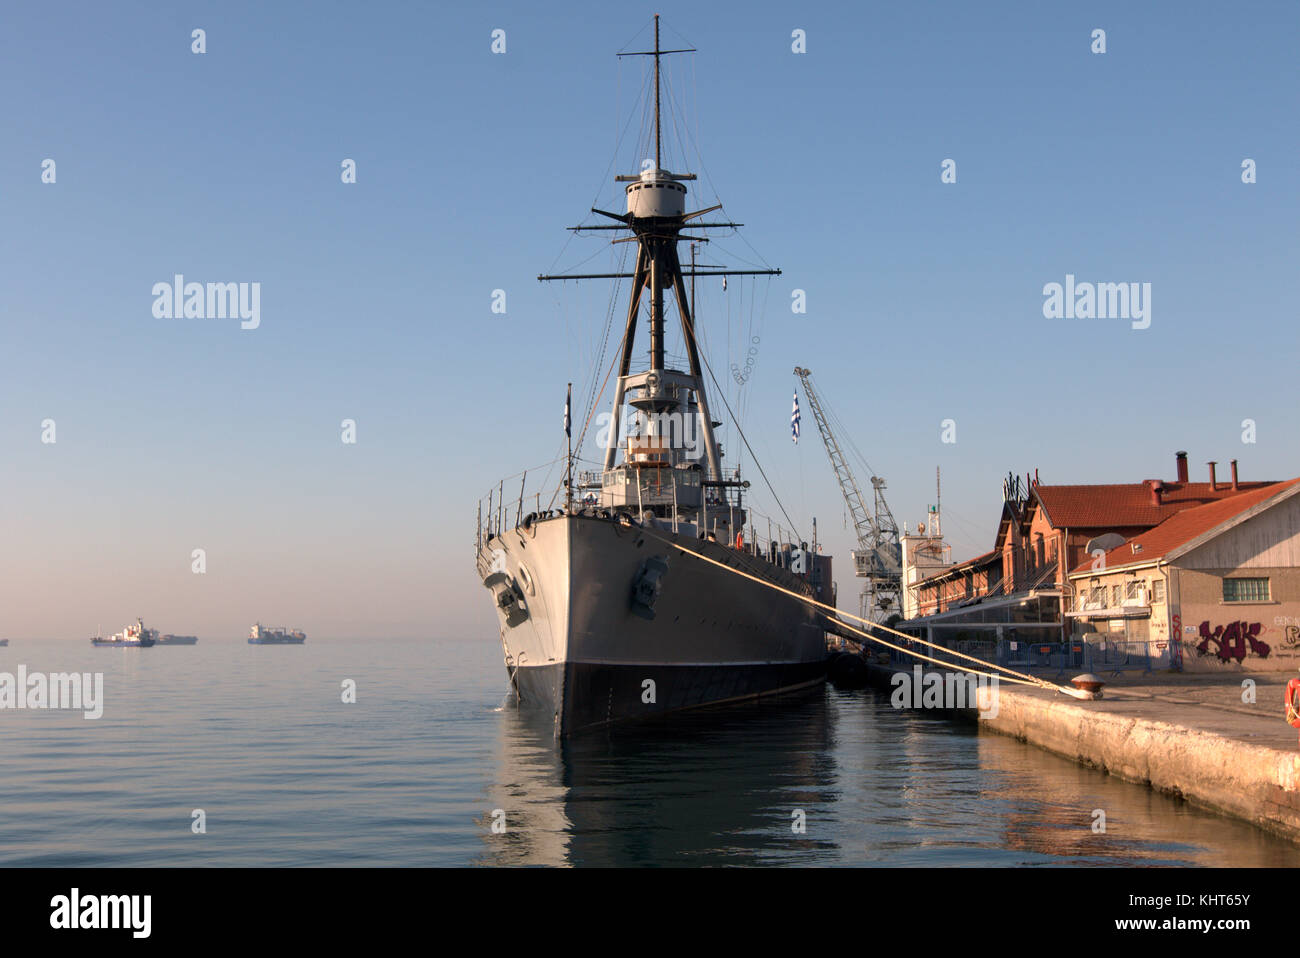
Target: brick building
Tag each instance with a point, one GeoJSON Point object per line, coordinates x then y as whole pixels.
{"type": "Point", "coordinates": [1023, 588]}
{"type": "Point", "coordinates": [1212, 587]}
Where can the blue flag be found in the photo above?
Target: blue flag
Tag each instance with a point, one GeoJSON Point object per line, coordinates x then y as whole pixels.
{"type": "Point", "coordinates": [794, 420]}
{"type": "Point", "coordinates": [568, 401]}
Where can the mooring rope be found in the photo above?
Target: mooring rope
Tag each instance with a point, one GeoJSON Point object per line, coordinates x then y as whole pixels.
{"type": "Point", "coordinates": [1019, 678]}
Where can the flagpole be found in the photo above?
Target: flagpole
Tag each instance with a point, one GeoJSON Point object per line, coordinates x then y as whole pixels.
{"type": "Point", "coordinates": [568, 435]}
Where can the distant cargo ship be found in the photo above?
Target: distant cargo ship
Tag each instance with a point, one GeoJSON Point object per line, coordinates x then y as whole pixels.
{"type": "Point", "coordinates": [259, 635]}
{"type": "Point", "coordinates": [133, 636]}
{"type": "Point", "coordinates": [3, 642]}
{"type": "Point", "coordinates": [170, 639]}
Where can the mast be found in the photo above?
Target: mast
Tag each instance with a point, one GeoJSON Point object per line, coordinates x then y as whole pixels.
{"type": "Point", "coordinates": [656, 214]}
{"type": "Point", "coordinates": [658, 139]}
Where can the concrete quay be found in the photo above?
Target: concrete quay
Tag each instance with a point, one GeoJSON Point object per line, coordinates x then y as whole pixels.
{"type": "Point", "coordinates": [1185, 734]}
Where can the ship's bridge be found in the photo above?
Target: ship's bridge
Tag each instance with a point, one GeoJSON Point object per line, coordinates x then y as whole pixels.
{"type": "Point", "coordinates": [664, 469]}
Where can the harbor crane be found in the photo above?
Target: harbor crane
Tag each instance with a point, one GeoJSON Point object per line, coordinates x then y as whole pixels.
{"type": "Point", "coordinates": [878, 558]}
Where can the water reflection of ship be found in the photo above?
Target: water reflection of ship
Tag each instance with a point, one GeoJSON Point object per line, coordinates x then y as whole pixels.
{"type": "Point", "coordinates": [663, 792]}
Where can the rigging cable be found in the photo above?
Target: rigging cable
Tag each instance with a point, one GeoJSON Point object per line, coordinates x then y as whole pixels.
{"type": "Point", "coordinates": [1020, 678]}
{"type": "Point", "coordinates": [758, 465]}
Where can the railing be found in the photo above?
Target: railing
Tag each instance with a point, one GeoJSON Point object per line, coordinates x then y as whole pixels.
{"type": "Point", "coordinates": [505, 505]}
{"type": "Point", "coordinates": [1116, 655]}
{"type": "Point", "coordinates": [1105, 657]}
{"type": "Point", "coordinates": [1108, 655]}
{"type": "Point", "coordinates": [766, 543]}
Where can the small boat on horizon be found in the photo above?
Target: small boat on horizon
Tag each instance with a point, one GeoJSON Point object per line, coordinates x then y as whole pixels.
{"type": "Point", "coordinates": [133, 636]}
{"type": "Point", "coordinates": [259, 635]}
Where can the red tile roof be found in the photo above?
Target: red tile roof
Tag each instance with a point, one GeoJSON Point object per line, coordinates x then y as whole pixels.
{"type": "Point", "coordinates": [1129, 504]}
{"type": "Point", "coordinates": [1184, 526]}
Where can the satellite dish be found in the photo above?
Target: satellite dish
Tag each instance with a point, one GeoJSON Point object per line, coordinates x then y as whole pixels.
{"type": "Point", "coordinates": [1105, 543]}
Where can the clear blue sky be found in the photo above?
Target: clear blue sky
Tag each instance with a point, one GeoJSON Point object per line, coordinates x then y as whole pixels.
{"type": "Point", "coordinates": [924, 299]}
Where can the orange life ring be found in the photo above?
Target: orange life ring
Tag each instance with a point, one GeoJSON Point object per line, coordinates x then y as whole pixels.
{"type": "Point", "coordinates": [1293, 703]}
{"type": "Point", "coordinates": [740, 544]}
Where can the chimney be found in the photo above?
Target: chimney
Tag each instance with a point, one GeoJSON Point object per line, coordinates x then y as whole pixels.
{"type": "Point", "coordinates": [1212, 464]}
{"type": "Point", "coordinates": [1157, 487]}
{"type": "Point", "coordinates": [1181, 459]}
{"type": "Point", "coordinates": [1235, 487]}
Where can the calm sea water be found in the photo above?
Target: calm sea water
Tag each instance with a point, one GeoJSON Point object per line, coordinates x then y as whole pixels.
{"type": "Point", "coordinates": [287, 774]}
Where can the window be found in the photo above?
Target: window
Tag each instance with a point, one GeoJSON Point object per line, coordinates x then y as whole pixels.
{"type": "Point", "coordinates": [1245, 590]}
{"type": "Point", "coordinates": [1157, 591]}
{"type": "Point", "coordinates": [1133, 587]}
{"type": "Point", "coordinates": [1114, 595]}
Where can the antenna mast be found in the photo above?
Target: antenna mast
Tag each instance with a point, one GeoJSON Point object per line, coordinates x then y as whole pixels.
{"type": "Point", "coordinates": [658, 165]}
{"type": "Point", "coordinates": [656, 217]}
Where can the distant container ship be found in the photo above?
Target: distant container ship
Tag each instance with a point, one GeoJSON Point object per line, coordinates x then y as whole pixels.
{"type": "Point", "coordinates": [170, 639]}
{"type": "Point", "coordinates": [259, 635]}
{"type": "Point", "coordinates": [133, 636]}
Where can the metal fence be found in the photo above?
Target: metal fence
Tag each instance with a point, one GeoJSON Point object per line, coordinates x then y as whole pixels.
{"type": "Point", "coordinates": [1117, 655]}
{"type": "Point", "coordinates": [1104, 656]}
{"type": "Point", "coordinates": [1108, 655]}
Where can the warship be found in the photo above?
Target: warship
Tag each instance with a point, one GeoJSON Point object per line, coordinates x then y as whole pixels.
{"type": "Point", "coordinates": [624, 602]}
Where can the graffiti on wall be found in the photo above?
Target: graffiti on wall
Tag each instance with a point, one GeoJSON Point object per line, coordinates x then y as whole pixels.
{"type": "Point", "coordinates": [1232, 642]}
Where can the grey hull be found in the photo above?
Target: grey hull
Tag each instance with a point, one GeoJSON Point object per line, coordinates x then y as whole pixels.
{"type": "Point", "coordinates": [578, 646]}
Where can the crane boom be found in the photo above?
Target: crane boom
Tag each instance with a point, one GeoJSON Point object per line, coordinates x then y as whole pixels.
{"type": "Point", "coordinates": [878, 556]}
{"type": "Point", "coordinates": [862, 523]}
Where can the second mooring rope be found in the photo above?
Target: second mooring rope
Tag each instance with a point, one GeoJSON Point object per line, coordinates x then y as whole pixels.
{"type": "Point", "coordinates": [1019, 678]}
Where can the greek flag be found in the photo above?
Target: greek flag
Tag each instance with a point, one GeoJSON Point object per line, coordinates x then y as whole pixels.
{"type": "Point", "coordinates": [794, 420]}
{"type": "Point", "coordinates": [568, 401]}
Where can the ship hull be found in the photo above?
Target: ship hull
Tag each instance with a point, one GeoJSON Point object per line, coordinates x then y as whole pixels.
{"type": "Point", "coordinates": [276, 641]}
{"type": "Point", "coordinates": [578, 645]}
{"type": "Point", "coordinates": [594, 695]}
{"type": "Point", "coordinates": [179, 640]}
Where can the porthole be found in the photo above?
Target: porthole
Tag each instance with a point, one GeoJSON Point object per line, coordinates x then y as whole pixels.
{"type": "Point", "coordinates": [526, 578]}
